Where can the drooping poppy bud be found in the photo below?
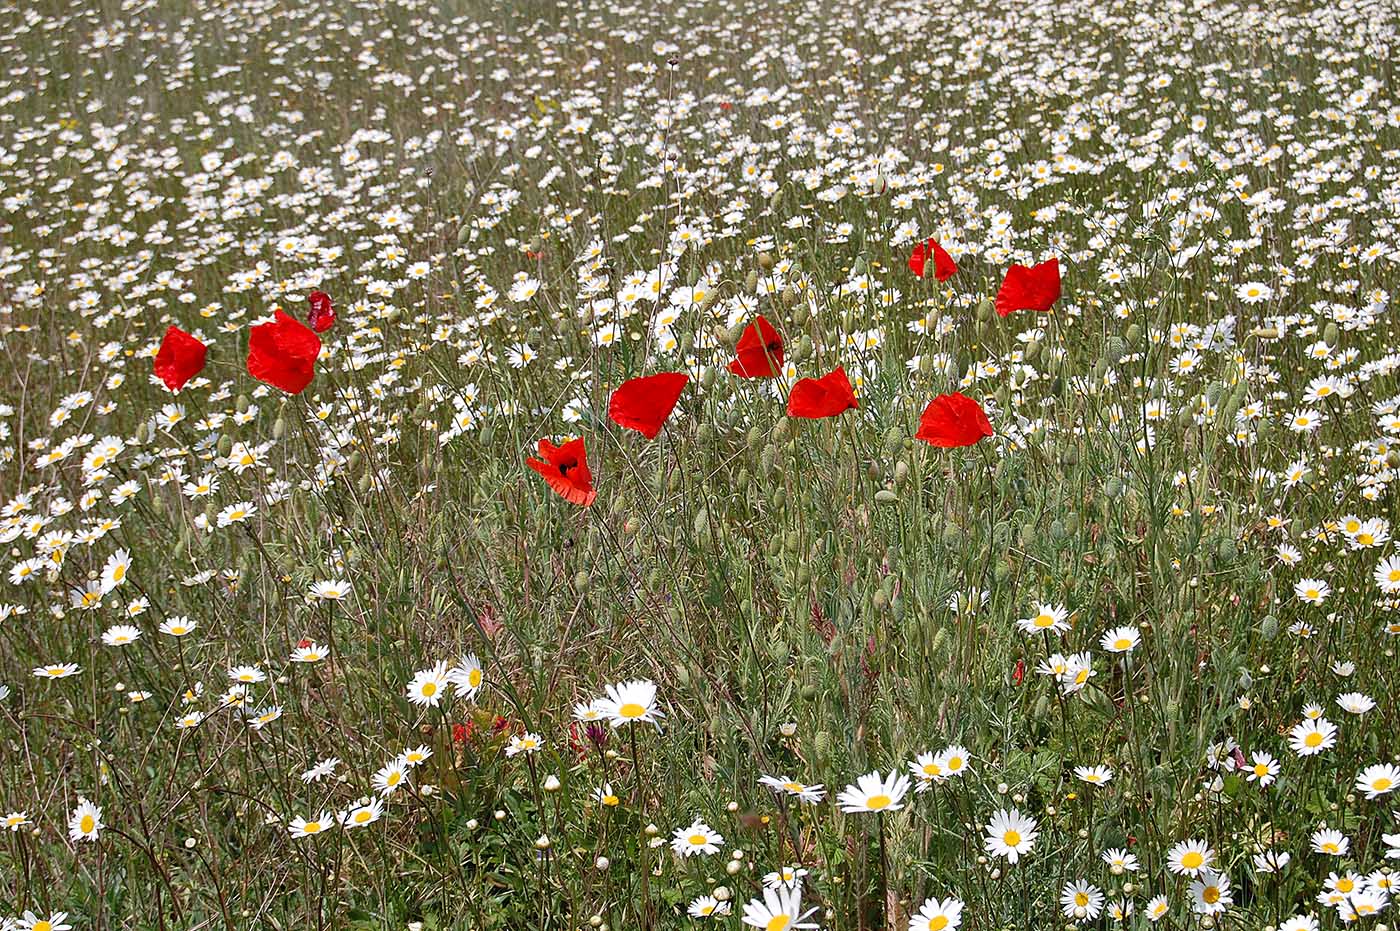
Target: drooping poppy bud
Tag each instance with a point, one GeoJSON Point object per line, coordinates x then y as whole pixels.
{"type": "Point", "coordinates": [283, 354]}
{"type": "Point", "coordinates": [565, 468]}
{"type": "Point", "coordinates": [643, 404]}
{"type": "Point", "coordinates": [321, 316]}
{"type": "Point", "coordinates": [1034, 288]}
{"type": "Point", "coordinates": [943, 265]}
{"type": "Point", "coordinates": [953, 420]}
{"type": "Point", "coordinates": [760, 351]}
{"type": "Point", "coordinates": [813, 398]}
{"type": "Point", "coordinates": [180, 358]}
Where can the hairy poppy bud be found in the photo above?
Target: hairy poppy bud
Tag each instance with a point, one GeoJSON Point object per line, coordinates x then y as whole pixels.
{"type": "Point", "coordinates": [751, 281]}
{"type": "Point", "coordinates": [1269, 627]}
{"type": "Point", "coordinates": [1331, 335]}
{"type": "Point", "coordinates": [765, 260]}
{"type": "Point", "coordinates": [1032, 350]}
{"type": "Point", "coordinates": [279, 428]}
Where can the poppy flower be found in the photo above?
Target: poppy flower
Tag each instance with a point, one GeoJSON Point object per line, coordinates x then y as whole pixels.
{"type": "Point", "coordinates": [952, 420]}
{"type": "Point", "coordinates": [760, 351]}
{"type": "Point", "coordinates": [1034, 288]}
{"type": "Point", "coordinates": [321, 316]}
{"type": "Point", "coordinates": [943, 265]}
{"type": "Point", "coordinates": [643, 404]}
{"type": "Point", "coordinates": [827, 396]}
{"type": "Point", "coordinates": [180, 358]}
{"type": "Point", "coordinates": [565, 468]}
{"type": "Point", "coordinates": [283, 354]}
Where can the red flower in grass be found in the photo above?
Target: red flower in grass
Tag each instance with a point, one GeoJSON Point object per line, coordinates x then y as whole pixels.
{"type": "Point", "coordinates": [813, 398]}
{"type": "Point", "coordinates": [760, 351]}
{"type": "Point", "coordinates": [943, 265]}
{"type": "Point", "coordinates": [643, 404]}
{"type": "Point", "coordinates": [565, 468]}
{"type": "Point", "coordinates": [1034, 288]}
{"type": "Point", "coordinates": [321, 316]}
{"type": "Point", "coordinates": [953, 420]}
{"type": "Point", "coordinates": [180, 358]}
{"type": "Point", "coordinates": [283, 354]}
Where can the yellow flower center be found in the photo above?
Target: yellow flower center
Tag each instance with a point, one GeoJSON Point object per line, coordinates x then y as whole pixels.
{"type": "Point", "coordinates": [1081, 899]}
{"type": "Point", "coordinates": [877, 802]}
{"type": "Point", "coordinates": [1314, 739]}
{"type": "Point", "coordinates": [1011, 838]}
{"type": "Point", "coordinates": [938, 923]}
{"type": "Point", "coordinates": [778, 923]}
{"type": "Point", "coordinates": [1381, 784]}
{"type": "Point", "coordinates": [313, 827]}
{"type": "Point", "coordinates": [429, 689]}
{"type": "Point", "coordinates": [631, 710]}
{"type": "Point", "coordinates": [474, 678]}
{"type": "Point", "coordinates": [1211, 895]}
{"type": "Point", "coordinates": [1122, 643]}
{"type": "Point", "coordinates": [1192, 860]}
{"type": "Point", "coordinates": [931, 769]}
{"type": "Point", "coordinates": [86, 824]}
{"type": "Point", "coordinates": [699, 840]}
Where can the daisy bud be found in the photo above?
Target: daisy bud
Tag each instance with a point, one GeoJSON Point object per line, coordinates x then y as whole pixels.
{"type": "Point", "coordinates": [601, 863]}
{"type": "Point", "coordinates": [499, 815]}
{"type": "Point", "coordinates": [551, 783]}
{"type": "Point", "coordinates": [542, 842]}
{"type": "Point", "coordinates": [722, 893]}
{"type": "Point", "coordinates": [650, 830]}
{"type": "Point", "coordinates": [732, 867]}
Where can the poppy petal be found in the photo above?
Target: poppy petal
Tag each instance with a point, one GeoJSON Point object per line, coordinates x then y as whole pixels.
{"type": "Point", "coordinates": [953, 420]}
{"type": "Point", "coordinates": [283, 353]}
{"type": "Point", "coordinates": [643, 404]}
{"type": "Point", "coordinates": [759, 353]}
{"type": "Point", "coordinates": [813, 398]}
{"type": "Point", "coordinates": [1035, 288]}
{"type": "Point", "coordinates": [180, 358]}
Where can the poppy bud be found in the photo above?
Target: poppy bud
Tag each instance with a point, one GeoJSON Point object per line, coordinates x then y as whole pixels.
{"type": "Point", "coordinates": [1392, 459]}
{"type": "Point", "coordinates": [363, 484]}
{"type": "Point", "coordinates": [1330, 334]}
{"type": "Point", "coordinates": [1269, 627]}
{"type": "Point", "coordinates": [901, 473]}
{"type": "Point", "coordinates": [581, 581]}
{"type": "Point", "coordinates": [279, 428]}
{"type": "Point", "coordinates": [751, 281]}
{"type": "Point", "coordinates": [767, 459]}
{"type": "Point", "coordinates": [1042, 706]}
{"type": "Point", "coordinates": [143, 433]}
{"type": "Point", "coordinates": [352, 463]}
{"type": "Point", "coordinates": [1265, 332]}
{"type": "Point", "coordinates": [1114, 349]}
{"type": "Point", "coordinates": [225, 445]}
{"type": "Point", "coordinates": [1134, 336]}
{"type": "Point", "coordinates": [157, 505]}
{"type": "Point", "coordinates": [790, 296]}
{"type": "Point", "coordinates": [765, 260]}
{"type": "Point", "coordinates": [804, 349]}
{"type": "Point", "coordinates": [754, 440]}
{"type": "Point", "coordinates": [885, 496]}
{"type": "Point", "coordinates": [781, 429]}
{"type": "Point", "coordinates": [464, 233]}
{"type": "Point", "coordinates": [822, 743]}
{"type": "Point", "coordinates": [985, 310]}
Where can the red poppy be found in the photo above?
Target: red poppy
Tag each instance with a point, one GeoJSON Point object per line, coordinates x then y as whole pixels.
{"type": "Point", "coordinates": [321, 317]}
{"type": "Point", "coordinates": [283, 354]}
{"type": "Point", "coordinates": [180, 358]}
{"type": "Point", "coordinates": [953, 420]}
{"type": "Point", "coordinates": [943, 265]}
{"type": "Point", "coordinates": [565, 468]}
{"type": "Point", "coordinates": [643, 404]}
{"type": "Point", "coordinates": [827, 396]}
{"type": "Point", "coordinates": [1034, 288]}
{"type": "Point", "coordinates": [760, 351]}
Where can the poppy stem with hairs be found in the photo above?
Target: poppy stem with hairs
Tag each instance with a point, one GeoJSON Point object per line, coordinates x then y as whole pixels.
{"type": "Point", "coordinates": [645, 850]}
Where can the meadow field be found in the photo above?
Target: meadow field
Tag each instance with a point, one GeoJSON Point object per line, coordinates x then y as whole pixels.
{"type": "Point", "coordinates": [769, 464]}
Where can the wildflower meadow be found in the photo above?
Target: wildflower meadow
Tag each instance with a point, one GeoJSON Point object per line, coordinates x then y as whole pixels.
{"type": "Point", "coordinates": [771, 464]}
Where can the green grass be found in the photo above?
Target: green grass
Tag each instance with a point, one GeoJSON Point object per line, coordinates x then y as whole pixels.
{"type": "Point", "coordinates": [814, 600]}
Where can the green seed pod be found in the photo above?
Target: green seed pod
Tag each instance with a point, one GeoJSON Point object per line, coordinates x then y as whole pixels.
{"type": "Point", "coordinates": [1113, 488]}
{"type": "Point", "coordinates": [464, 233]}
{"type": "Point", "coordinates": [158, 504]}
{"type": "Point", "coordinates": [1001, 573]}
{"type": "Point", "coordinates": [858, 267]}
{"type": "Point", "coordinates": [242, 403]}
{"type": "Point", "coordinates": [682, 675]}
{"type": "Point", "coordinates": [1032, 351]}
{"type": "Point", "coordinates": [352, 463]}
{"type": "Point", "coordinates": [792, 540]}
{"type": "Point", "coordinates": [901, 473]}
{"type": "Point", "coordinates": [1134, 336]}
{"type": "Point", "coordinates": [225, 445]}
{"type": "Point", "coordinates": [885, 496]}
{"type": "Point", "coordinates": [1042, 707]}
{"type": "Point", "coordinates": [363, 484]}
{"type": "Point", "coordinates": [707, 378]}
{"type": "Point", "coordinates": [768, 459]}
{"type": "Point", "coordinates": [782, 429]}
{"type": "Point", "coordinates": [822, 743]}
{"type": "Point", "coordinates": [1269, 627]}
{"type": "Point", "coordinates": [143, 432]}
{"type": "Point", "coordinates": [1331, 334]}
{"type": "Point", "coordinates": [751, 281]}
{"type": "Point", "coordinates": [1115, 348]}
{"type": "Point", "coordinates": [1227, 550]}
{"type": "Point", "coordinates": [804, 349]}
{"type": "Point", "coordinates": [800, 314]}
{"type": "Point", "coordinates": [985, 311]}
{"type": "Point", "coordinates": [940, 642]}
{"type": "Point", "coordinates": [581, 581]}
